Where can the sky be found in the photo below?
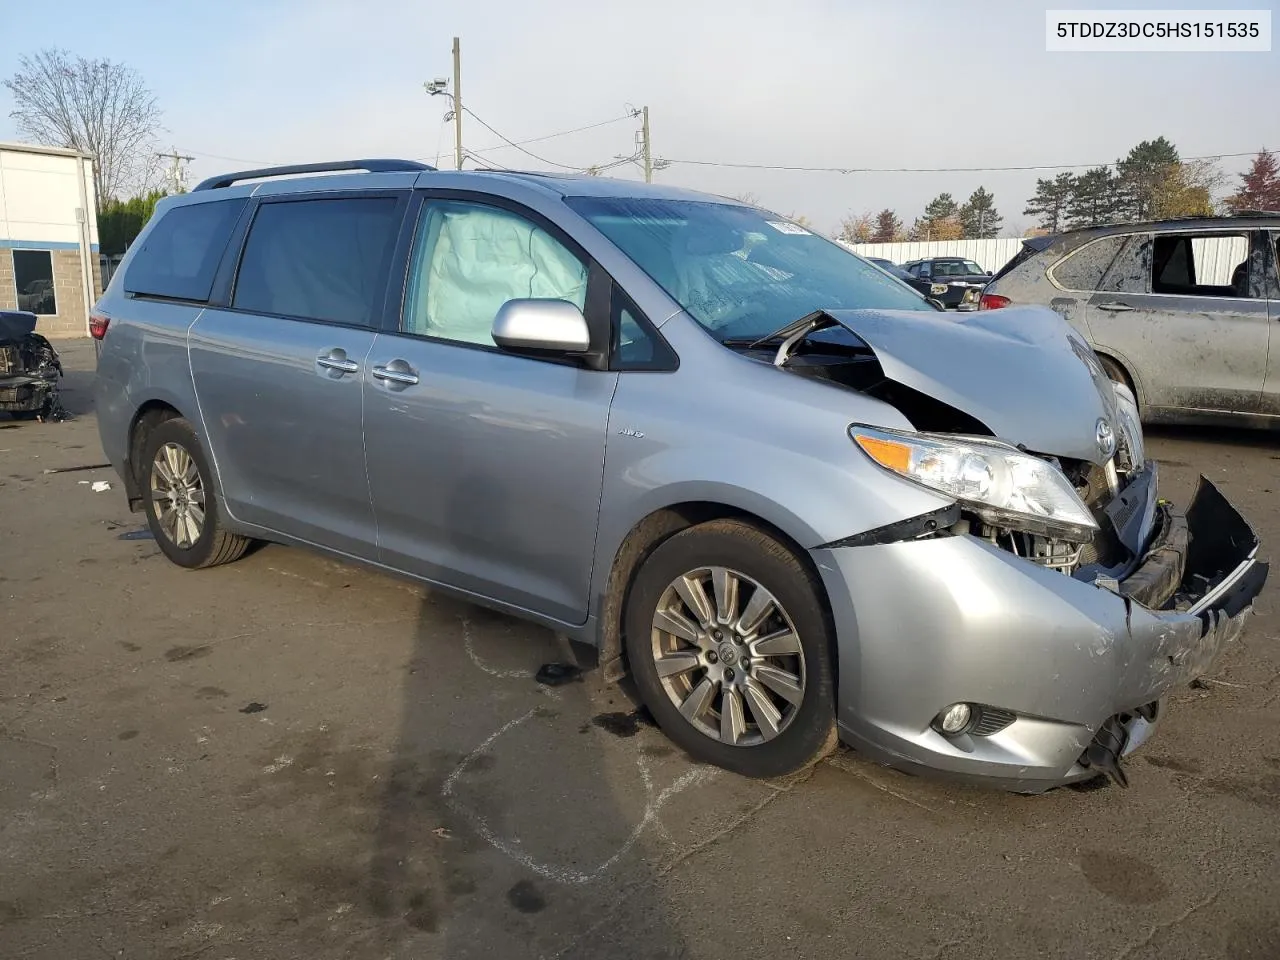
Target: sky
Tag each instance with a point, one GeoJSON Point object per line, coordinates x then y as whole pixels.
{"type": "Point", "coordinates": [854, 83]}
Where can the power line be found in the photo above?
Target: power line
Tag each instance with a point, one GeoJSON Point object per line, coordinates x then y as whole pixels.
{"type": "Point", "coordinates": [1046, 166]}
{"type": "Point", "coordinates": [512, 143]}
{"type": "Point", "coordinates": [214, 156]}
{"type": "Point", "coordinates": [552, 136]}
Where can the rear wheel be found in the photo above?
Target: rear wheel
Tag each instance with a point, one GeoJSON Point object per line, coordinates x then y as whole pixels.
{"type": "Point", "coordinates": [730, 645]}
{"type": "Point", "coordinates": [181, 506]}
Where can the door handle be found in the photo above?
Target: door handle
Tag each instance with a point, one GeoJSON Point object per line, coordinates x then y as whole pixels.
{"type": "Point", "coordinates": [337, 359]}
{"type": "Point", "coordinates": [1115, 307]}
{"type": "Point", "coordinates": [397, 371]}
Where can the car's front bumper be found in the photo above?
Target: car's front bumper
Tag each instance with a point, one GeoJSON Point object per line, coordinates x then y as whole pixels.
{"type": "Point", "coordinates": [1082, 668]}
{"type": "Point", "coordinates": [26, 393]}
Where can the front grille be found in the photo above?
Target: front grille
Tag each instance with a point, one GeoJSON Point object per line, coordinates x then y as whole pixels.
{"type": "Point", "coordinates": [10, 361]}
{"type": "Point", "coordinates": [992, 720]}
{"type": "Point", "coordinates": [1125, 512]}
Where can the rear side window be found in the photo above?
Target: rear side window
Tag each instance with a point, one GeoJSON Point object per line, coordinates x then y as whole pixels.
{"type": "Point", "coordinates": [319, 259]}
{"type": "Point", "coordinates": [1084, 268]}
{"type": "Point", "coordinates": [1130, 271]}
{"type": "Point", "coordinates": [180, 255]}
{"type": "Point", "coordinates": [1204, 266]}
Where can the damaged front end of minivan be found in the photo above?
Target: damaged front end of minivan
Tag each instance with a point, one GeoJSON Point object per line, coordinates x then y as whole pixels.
{"type": "Point", "coordinates": [1059, 596]}
{"type": "Point", "coordinates": [30, 369]}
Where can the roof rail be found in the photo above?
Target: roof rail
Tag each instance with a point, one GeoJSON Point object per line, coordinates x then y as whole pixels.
{"type": "Point", "coordinates": [1255, 213]}
{"type": "Point", "coordinates": [370, 166]}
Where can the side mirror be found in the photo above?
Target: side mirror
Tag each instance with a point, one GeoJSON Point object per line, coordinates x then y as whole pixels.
{"type": "Point", "coordinates": [541, 326]}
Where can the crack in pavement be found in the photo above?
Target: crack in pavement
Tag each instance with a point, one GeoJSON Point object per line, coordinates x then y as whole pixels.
{"type": "Point", "coordinates": [1161, 927]}
{"type": "Point", "coordinates": [840, 763]}
{"type": "Point", "coordinates": [697, 848]}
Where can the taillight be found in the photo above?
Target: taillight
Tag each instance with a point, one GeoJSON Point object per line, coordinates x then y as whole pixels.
{"type": "Point", "coordinates": [993, 301]}
{"type": "Point", "coordinates": [98, 323]}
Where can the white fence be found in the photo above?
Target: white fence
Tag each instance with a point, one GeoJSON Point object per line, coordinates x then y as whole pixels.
{"type": "Point", "coordinates": [1215, 257]}
{"type": "Point", "coordinates": [988, 254]}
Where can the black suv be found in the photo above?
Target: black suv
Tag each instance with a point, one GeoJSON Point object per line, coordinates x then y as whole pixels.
{"type": "Point", "coordinates": [956, 282]}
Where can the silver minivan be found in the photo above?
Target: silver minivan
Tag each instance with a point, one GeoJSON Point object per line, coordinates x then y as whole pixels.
{"type": "Point", "coordinates": [787, 496]}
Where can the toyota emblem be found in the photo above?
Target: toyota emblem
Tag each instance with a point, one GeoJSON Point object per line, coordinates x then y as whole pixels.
{"type": "Point", "coordinates": [1106, 437]}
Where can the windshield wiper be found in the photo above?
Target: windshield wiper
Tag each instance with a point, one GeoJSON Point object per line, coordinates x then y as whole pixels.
{"type": "Point", "coordinates": [792, 333]}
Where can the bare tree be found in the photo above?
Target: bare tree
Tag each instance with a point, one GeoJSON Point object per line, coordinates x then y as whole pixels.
{"type": "Point", "coordinates": [96, 106]}
{"type": "Point", "coordinates": [857, 227]}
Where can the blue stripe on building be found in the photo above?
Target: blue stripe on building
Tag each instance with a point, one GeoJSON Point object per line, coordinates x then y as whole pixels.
{"type": "Point", "coordinates": [41, 245]}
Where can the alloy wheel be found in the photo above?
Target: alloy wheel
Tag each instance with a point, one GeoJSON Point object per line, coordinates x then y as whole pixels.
{"type": "Point", "coordinates": [177, 495]}
{"type": "Point", "coordinates": [728, 656]}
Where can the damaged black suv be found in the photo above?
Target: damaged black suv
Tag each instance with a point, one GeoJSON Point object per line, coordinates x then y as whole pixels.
{"type": "Point", "coordinates": [30, 370]}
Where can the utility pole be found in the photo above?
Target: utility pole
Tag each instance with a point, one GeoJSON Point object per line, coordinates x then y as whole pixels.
{"type": "Point", "coordinates": [457, 101]}
{"type": "Point", "coordinates": [177, 176]}
{"type": "Point", "coordinates": [648, 149]}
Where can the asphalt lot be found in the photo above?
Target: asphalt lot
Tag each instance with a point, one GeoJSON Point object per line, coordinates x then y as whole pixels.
{"type": "Point", "coordinates": [288, 757]}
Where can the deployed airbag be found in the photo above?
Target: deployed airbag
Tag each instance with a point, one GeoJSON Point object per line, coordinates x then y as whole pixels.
{"type": "Point", "coordinates": [476, 259]}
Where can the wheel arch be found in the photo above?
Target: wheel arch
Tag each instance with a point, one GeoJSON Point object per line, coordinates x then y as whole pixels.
{"type": "Point", "coordinates": [149, 414]}
{"type": "Point", "coordinates": [146, 418]}
{"type": "Point", "coordinates": [1113, 363]}
{"type": "Point", "coordinates": [643, 538]}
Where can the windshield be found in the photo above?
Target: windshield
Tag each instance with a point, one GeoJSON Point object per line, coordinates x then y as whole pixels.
{"type": "Point", "coordinates": [955, 268]}
{"type": "Point", "coordinates": [740, 274]}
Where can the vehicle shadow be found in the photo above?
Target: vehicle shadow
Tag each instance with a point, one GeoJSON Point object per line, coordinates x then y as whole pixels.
{"type": "Point", "coordinates": [1258, 438]}
{"type": "Point", "coordinates": [507, 824]}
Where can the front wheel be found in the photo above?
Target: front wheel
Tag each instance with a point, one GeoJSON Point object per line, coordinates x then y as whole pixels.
{"type": "Point", "coordinates": [730, 644]}
{"type": "Point", "coordinates": [181, 505]}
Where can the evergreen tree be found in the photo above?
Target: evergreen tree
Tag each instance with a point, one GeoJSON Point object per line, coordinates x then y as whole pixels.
{"type": "Point", "coordinates": [888, 227]}
{"type": "Point", "coordinates": [1142, 175]}
{"type": "Point", "coordinates": [1051, 200]}
{"type": "Point", "coordinates": [1097, 198]}
{"type": "Point", "coordinates": [979, 217]}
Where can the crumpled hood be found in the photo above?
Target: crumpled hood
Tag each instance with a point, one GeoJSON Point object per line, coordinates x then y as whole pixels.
{"type": "Point", "coordinates": [1022, 371]}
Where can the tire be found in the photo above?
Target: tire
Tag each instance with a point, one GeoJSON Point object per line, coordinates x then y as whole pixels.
{"type": "Point", "coordinates": [751, 740]}
{"type": "Point", "coordinates": [172, 523]}
{"type": "Point", "coordinates": [1116, 373]}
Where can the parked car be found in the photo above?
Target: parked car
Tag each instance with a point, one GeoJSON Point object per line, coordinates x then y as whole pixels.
{"type": "Point", "coordinates": [790, 497]}
{"type": "Point", "coordinates": [954, 281]}
{"type": "Point", "coordinates": [30, 369]}
{"type": "Point", "coordinates": [36, 297]}
{"type": "Point", "coordinates": [1180, 311]}
{"type": "Point", "coordinates": [891, 268]}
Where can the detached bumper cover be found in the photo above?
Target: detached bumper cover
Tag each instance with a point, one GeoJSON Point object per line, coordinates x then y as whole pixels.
{"type": "Point", "coordinates": [932, 622]}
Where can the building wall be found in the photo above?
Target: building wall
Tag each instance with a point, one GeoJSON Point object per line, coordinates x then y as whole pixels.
{"type": "Point", "coordinates": [44, 193]}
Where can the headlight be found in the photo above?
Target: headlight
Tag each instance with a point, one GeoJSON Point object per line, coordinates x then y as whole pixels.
{"type": "Point", "coordinates": [1000, 484]}
{"type": "Point", "coordinates": [937, 288]}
